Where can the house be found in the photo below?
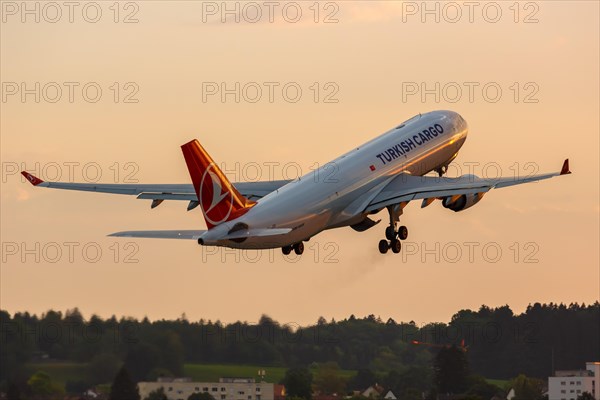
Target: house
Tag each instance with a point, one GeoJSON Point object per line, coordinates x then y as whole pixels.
{"type": "Point", "coordinates": [511, 394]}
{"type": "Point", "coordinates": [374, 391]}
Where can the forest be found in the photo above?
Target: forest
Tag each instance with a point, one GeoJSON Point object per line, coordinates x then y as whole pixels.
{"type": "Point", "coordinates": [498, 343]}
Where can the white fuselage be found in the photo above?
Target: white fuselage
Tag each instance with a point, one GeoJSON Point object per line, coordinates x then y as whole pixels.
{"type": "Point", "coordinates": [336, 194]}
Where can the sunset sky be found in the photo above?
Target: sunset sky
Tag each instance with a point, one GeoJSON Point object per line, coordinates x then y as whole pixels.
{"type": "Point", "coordinates": [364, 58]}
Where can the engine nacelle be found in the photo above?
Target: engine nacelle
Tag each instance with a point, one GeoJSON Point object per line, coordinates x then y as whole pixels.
{"type": "Point", "coordinates": [462, 202]}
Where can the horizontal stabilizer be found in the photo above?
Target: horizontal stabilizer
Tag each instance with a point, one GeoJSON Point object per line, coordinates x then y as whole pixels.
{"type": "Point", "coordinates": [180, 234]}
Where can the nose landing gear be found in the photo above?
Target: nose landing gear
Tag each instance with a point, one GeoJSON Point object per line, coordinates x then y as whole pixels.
{"type": "Point", "coordinates": [442, 170]}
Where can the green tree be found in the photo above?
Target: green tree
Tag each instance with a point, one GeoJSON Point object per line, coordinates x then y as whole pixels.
{"type": "Point", "coordinates": [298, 383]}
{"type": "Point", "coordinates": [158, 394]}
{"type": "Point", "coordinates": [362, 380]}
{"type": "Point", "coordinates": [527, 388]}
{"type": "Point", "coordinates": [157, 373]}
{"type": "Point", "coordinates": [200, 396]}
{"type": "Point", "coordinates": [13, 392]}
{"type": "Point", "coordinates": [141, 359]}
{"type": "Point", "coordinates": [103, 368]}
{"type": "Point", "coordinates": [76, 386]}
{"type": "Point", "coordinates": [450, 369]}
{"type": "Point", "coordinates": [479, 387]}
{"type": "Point", "coordinates": [123, 388]}
{"type": "Point", "coordinates": [41, 385]}
{"type": "Point", "coordinates": [328, 380]}
{"type": "Point", "coordinates": [410, 394]}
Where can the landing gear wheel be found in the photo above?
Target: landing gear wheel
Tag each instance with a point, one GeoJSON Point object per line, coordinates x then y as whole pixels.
{"type": "Point", "coordinates": [286, 250]}
{"type": "Point", "coordinates": [299, 248]}
{"type": "Point", "coordinates": [383, 246]}
{"type": "Point", "coordinates": [403, 232]}
{"type": "Point", "coordinates": [396, 246]}
{"type": "Point", "coordinates": [390, 233]}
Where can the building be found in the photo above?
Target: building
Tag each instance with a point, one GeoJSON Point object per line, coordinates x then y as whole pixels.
{"type": "Point", "coordinates": [225, 389]}
{"type": "Point", "coordinates": [373, 392]}
{"type": "Point", "coordinates": [568, 385]}
{"type": "Point", "coordinates": [390, 396]}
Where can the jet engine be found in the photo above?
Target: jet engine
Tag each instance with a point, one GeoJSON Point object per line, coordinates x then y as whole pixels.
{"type": "Point", "coordinates": [461, 202]}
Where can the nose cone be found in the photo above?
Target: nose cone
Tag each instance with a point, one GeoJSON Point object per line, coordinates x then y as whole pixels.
{"type": "Point", "coordinates": [447, 114]}
{"type": "Point", "coordinates": [460, 128]}
{"type": "Point", "coordinates": [456, 120]}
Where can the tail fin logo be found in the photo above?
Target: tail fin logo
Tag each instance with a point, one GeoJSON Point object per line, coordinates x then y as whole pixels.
{"type": "Point", "coordinates": [219, 199]}
{"type": "Point", "coordinates": [212, 195]}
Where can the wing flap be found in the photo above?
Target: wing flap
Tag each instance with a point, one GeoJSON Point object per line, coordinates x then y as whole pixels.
{"type": "Point", "coordinates": [168, 196]}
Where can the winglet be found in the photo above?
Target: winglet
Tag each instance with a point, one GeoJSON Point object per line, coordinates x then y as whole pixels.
{"type": "Point", "coordinates": [31, 178]}
{"type": "Point", "coordinates": [565, 168]}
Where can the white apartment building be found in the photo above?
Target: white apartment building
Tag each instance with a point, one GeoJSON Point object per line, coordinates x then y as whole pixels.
{"type": "Point", "coordinates": [568, 385]}
{"type": "Point", "coordinates": [225, 389]}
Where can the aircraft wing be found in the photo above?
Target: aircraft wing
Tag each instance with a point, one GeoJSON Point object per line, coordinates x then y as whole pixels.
{"type": "Point", "coordinates": [405, 187]}
{"type": "Point", "coordinates": [158, 192]}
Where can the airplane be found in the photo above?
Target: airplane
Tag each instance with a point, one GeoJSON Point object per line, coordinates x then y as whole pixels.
{"type": "Point", "coordinates": [385, 173]}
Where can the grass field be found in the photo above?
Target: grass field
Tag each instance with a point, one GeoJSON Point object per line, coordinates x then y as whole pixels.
{"type": "Point", "coordinates": [60, 372]}
{"type": "Point", "coordinates": [212, 372]}
{"type": "Point", "coordinates": [63, 372]}
{"type": "Point", "coordinates": [499, 382]}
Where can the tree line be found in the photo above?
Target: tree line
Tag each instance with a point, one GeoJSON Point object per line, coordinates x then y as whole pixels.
{"type": "Point", "coordinates": [499, 344]}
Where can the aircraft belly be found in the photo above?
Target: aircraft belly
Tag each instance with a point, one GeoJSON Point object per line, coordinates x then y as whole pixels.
{"type": "Point", "coordinates": [302, 227]}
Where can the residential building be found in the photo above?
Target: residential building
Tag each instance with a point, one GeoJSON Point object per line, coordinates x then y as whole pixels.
{"type": "Point", "coordinates": [568, 385]}
{"type": "Point", "coordinates": [225, 389]}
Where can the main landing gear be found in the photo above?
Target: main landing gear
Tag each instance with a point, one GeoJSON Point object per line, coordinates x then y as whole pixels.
{"type": "Point", "coordinates": [392, 235]}
{"type": "Point", "coordinates": [297, 247]}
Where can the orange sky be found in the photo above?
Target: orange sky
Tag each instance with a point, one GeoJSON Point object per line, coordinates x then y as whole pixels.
{"type": "Point", "coordinates": [371, 55]}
